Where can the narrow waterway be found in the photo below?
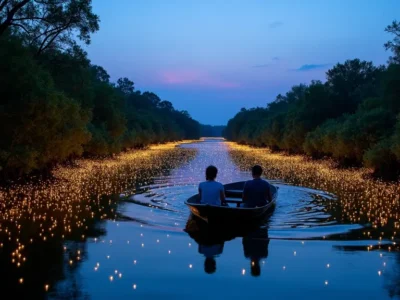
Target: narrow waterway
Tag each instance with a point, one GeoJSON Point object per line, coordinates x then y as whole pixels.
{"type": "Point", "coordinates": [138, 246]}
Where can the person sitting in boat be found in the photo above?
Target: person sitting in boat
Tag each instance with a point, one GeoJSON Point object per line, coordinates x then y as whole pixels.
{"type": "Point", "coordinates": [210, 191]}
{"type": "Point", "coordinates": [256, 192]}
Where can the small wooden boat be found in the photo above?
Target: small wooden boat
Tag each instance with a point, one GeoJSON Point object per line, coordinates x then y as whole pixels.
{"type": "Point", "coordinates": [232, 213]}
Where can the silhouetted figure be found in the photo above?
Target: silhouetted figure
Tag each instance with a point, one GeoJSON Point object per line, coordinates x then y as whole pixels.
{"type": "Point", "coordinates": [256, 192]}
{"type": "Point", "coordinates": [255, 247]}
{"type": "Point", "coordinates": [210, 251]}
{"type": "Point", "coordinates": [210, 191]}
{"type": "Point", "coordinates": [211, 241]}
{"type": "Point", "coordinates": [210, 265]}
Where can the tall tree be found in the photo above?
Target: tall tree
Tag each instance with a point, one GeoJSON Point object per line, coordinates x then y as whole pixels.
{"type": "Point", "coordinates": [49, 23]}
{"type": "Point", "coordinates": [351, 117]}
{"type": "Point", "coordinates": [351, 82]}
{"type": "Point", "coordinates": [125, 85]}
{"type": "Point", "coordinates": [394, 45]}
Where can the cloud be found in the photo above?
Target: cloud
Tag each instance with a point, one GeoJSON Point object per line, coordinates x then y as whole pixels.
{"type": "Point", "coordinates": [261, 66]}
{"type": "Point", "coordinates": [309, 67]}
{"type": "Point", "coordinates": [275, 58]}
{"type": "Point", "coordinates": [275, 24]}
{"type": "Point", "coordinates": [195, 78]}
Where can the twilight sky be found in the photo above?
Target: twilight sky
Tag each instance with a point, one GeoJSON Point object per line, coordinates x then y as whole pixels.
{"type": "Point", "coordinates": [213, 57]}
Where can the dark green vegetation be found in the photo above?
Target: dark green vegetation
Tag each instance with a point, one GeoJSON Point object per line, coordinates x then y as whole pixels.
{"type": "Point", "coordinates": [353, 117]}
{"type": "Point", "coordinates": [212, 131]}
{"type": "Point", "coordinates": [55, 105]}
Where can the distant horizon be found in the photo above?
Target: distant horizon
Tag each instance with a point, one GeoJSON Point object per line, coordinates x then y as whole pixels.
{"type": "Point", "coordinates": [214, 58]}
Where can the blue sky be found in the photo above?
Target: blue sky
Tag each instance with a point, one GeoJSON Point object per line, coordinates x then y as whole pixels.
{"type": "Point", "coordinates": [213, 57]}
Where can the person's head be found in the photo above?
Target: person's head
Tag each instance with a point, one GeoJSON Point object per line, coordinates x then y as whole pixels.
{"type": "Point", "coordinates": [255, 268]}
{"type": "Point", "coordinates": [211, 173]}
{"type": "Point", "coordinates": [210, 265]}
{"type": "Point", "coordinates": [256, 171]}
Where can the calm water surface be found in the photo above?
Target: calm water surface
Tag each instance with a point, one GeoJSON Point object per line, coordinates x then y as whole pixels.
{"type": "Point", "coordinates": [153, 249]}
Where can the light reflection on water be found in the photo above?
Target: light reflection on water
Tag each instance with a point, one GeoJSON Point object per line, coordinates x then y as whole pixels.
{"type": "Point", "coordinates": [305, 249]}
{"type": "Point", "coordinates": [299, 208]}
{"type": "Point", "coordinates": [143, 251]}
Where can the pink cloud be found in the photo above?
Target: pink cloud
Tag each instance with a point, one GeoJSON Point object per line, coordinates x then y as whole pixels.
{"type": "Point", "coordinates": [182, 77]}
{"type": "Point", "coordinates": [179, 77]}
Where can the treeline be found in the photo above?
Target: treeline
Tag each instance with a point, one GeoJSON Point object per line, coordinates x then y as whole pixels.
{"type": "Point", "coordinates": [55, 105]}
{"type": "Point", "coordinates": [212, 130]}
{"type": "Point", "coordinates": [354, 117]}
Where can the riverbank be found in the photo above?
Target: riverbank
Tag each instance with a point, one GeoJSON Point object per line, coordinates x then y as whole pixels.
{"type": "Point", "coordinates": [362, 200]}
{"type": "Point", "coordinates": [78, 237]}
{"type": "Point", "coordinates": [69, 210]}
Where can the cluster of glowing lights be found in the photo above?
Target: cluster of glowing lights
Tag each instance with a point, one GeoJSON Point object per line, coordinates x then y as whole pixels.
{"type": "Point", "coordinates": [63, 209]}
{"type": "Point", "coordinates": [66, 208]}
{"type": "Point", "coordinates": [360, 199]}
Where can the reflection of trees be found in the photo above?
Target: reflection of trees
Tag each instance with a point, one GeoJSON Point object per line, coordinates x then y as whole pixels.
{"type": "Point", "coordinates": [47, 263]}
{"type": "Point", "coordinates": [392, 277]}
{"type": "Point", "coordinates": [44, 266]}
{"type": "Point", "coordinates": [361, 234]}
{"type": "Point", "coordinates": [50, 261]}
{"type": "Point", "coordinates": [44, 230]}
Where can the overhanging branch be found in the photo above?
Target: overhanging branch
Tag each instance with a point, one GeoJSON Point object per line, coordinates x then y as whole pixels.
{"type": "Point", "coordinates": [3, 3]}
{"type": "Point", "coordinates": [20, 25]}
{"type": "Point", "coordinates": [10, 15]}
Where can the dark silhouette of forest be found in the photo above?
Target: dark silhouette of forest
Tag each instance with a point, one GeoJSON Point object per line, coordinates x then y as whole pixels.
{"type": "Point", "coordinates": [353, 117]}
{"type": "Point", "coordinates": [212, 130]}
{"type": "Point", "coordinates": [56, 105]}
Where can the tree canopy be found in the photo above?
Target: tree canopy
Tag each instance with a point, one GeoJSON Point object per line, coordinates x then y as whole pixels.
{"type": "Point", "coordinates": [50, 23]}
{"type": "Point", "coordinates": [56, 105]}
{"type": "Point", "coordinates": [212, 131]}
{"type": "Point", "coordinates": [353, 117]}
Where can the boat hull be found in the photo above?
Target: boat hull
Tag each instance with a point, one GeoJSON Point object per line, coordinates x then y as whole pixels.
{"type": "Point", "coordinates": [229, 214]}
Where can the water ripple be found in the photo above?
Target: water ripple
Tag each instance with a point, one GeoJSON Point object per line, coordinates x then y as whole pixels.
{"type": "Point", "coordinates": [300, 213]}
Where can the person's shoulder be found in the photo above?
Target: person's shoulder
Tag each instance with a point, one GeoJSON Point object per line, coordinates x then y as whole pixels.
{"type": "Point", "coordinates": [218, 185]}
{"type": "Point", "coordinates": [202, 183]}
{"type": "Point", "coordinates": [266, 182]}
{"type": "Point", "coordinates": [247, 184]}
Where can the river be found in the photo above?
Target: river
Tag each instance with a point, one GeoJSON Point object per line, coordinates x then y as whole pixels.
{"type": "Point", "coordinates": [123, 237]}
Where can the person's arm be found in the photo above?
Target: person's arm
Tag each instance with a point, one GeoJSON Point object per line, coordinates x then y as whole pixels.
{"type": "Point", "coordinates": [199, 194]}
{"type": "Point", "coordinates": [268, 194]}
{"type": "Point", "coordinates": [244, 195]}
{"type": "Point", "coordinates": [222, 196]}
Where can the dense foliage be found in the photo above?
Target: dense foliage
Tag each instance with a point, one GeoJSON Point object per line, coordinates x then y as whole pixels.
{"type": "Point", "coordinates": [55, 105]}
{"type": "Point", "coordinates": [212, 130]}
{"type": "Point", "coordinates": [353, 117]}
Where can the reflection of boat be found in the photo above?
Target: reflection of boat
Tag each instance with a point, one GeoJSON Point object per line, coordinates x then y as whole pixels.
{"type": "Point", "coordinates": [211, 240]}
{"type": "Point", "coordinates": [205, 234]}
{"type": "Point", "coordinates": [224, 214]}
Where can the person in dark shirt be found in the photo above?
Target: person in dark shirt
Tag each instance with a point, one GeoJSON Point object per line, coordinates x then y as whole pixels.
{"type": "Point", "coordinates": [256, 192]}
